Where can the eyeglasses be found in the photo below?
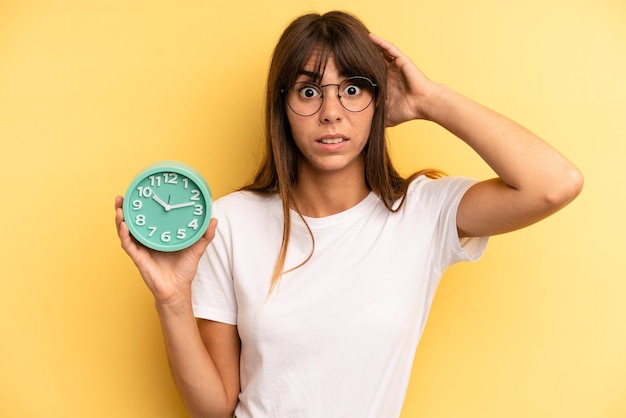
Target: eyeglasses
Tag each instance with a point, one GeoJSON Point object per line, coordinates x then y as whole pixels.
{"type": "Point", "coordinates": [355, 94]}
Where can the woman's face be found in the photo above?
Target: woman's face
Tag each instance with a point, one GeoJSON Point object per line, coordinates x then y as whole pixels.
{"type": "Point", "coordinates": [332, 139]}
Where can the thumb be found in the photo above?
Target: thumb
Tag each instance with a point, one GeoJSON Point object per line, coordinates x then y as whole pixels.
{"type": "Point", "coordinates": [201, 245]}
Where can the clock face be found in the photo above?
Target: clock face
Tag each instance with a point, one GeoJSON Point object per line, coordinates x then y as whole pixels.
{"type": "Point", "coordinates": [168, 206]}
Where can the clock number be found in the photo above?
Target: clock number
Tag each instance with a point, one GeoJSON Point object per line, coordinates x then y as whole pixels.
{"type": "Point", "coordinates": [137, 204]}
{"type": "Point", "coordinates": [193, 224]}
{"type": "Point", "coordinates": [186, 182]}
{"type": "Point", "coordinates": [152, 230]}
{"type": "Point", "coordinates": [195, 194]}
{"type": "Point", "coordinates": [166, 236]}
{"type": "Point", "coordinates": [170, 178]}
{"type": "Point", "coordinates": [144, 191]}
{"type": "Point", "coordinates": [182, 233]}
{"type": "Point", "coordinates": [198, 210]}
{"type": "Point", "coordinates": [155, 180]}
{"type": "Point", "coordinates": [140, 220]}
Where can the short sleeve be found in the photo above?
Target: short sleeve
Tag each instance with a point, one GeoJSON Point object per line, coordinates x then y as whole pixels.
{"type": "Point", "coordinates": [443, 196]}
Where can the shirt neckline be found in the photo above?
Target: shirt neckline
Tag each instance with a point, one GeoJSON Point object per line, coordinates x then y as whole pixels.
{"type": "Point", "coordinates": [363, 207]}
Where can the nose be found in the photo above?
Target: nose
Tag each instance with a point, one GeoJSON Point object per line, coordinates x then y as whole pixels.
{"type": "Point", "coordinates": [332, 109]}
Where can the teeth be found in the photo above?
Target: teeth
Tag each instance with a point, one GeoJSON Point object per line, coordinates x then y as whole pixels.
{"type": "Point", "coordinates": [332, 141]}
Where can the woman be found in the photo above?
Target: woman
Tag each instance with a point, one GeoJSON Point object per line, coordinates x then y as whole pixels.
{"type": "Point", "coordinates": [314, 291]}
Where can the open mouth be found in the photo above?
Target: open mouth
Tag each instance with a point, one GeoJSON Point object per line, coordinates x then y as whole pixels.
{"type": "Point", "coordinates": [332, 140]}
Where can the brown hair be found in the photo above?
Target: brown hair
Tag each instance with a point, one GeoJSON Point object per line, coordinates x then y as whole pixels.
{"type": "Point", "coordinates": [346, 38]}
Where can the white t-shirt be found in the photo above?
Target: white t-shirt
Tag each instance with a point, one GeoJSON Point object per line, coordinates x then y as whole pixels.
{"type": "Point", "coordinates": [338, 335]}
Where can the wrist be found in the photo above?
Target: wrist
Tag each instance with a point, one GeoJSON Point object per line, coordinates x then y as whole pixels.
{"type": "Point", "coordinates": [178, 304]}
{"type": "Point", "coordinates": [432, 105]}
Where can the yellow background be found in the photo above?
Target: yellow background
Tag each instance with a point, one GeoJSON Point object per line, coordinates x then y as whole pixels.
{"type": "Point", "coordinates": [92, 91]}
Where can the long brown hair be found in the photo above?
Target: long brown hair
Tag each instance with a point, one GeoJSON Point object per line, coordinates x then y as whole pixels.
{"type": "Point", "coordinates": [346, 38]}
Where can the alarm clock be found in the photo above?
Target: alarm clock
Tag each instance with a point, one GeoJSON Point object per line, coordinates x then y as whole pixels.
{"type": "Point", "coordinates": [167, 206]}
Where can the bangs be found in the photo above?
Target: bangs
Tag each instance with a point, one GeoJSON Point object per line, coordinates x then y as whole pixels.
{"type": "Point", "coordinates": [346, 41]}
{"type": "Point", "coordinates": [348, 56]}
{"type": "Point", "coordinates": [351, 61]}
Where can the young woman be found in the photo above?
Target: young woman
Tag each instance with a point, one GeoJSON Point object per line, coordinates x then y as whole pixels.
{"type": "Point", "coordinates": [314, 291]}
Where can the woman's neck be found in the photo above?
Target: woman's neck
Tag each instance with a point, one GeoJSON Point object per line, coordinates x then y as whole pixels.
{"type": "Point", "coordinates": [325, 194]}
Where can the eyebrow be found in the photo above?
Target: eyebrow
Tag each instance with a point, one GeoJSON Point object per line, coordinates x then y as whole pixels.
{"type": "Point", "coordinates": [310, 74]}
{"type": "Point", "coordinates": [307, 73]}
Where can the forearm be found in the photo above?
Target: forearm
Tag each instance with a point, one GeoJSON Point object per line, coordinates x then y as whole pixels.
{"type": "Point", "coordinates": [194, 372]}
{"type": "Point", "coordinates": [521, 160]}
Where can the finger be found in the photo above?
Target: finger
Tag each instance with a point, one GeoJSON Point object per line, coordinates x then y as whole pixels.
{"type": "Point", "coordinates": [126, 240]}
{"type": "Point", "coordinates": [135, 251]}
{"type": "Point", "coordinates": [119, 218]}
{"type": "Point", "coordinates": [122, 230]}
{"type": "Point", "coordinates": [389, 50]}
{"type": "Point", "coordinates": [210, 232]}
{"type": "Point", "coordinates": [199, 248]}
{"type": "Point", "coordinates": [119, 213]}
{"type": "Point", "coordinates": [208, 236]}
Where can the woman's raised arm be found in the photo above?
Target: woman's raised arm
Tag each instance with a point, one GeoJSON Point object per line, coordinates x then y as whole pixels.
{"type": "Point", "coordinates": [534, 180]}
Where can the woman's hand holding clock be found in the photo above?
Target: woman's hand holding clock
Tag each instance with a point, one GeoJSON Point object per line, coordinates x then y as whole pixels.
{"type": "Point", "coordinates": [165, 240]}
{"type": "Point", "coordinates": [168, 275]}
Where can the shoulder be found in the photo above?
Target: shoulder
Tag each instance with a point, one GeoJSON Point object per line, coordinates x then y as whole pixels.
{"type": "Point", "coordinates": [245, 198]}
{"type": "Point", "coordinates": [427, 191]}
{"type": "Point", "coordinates": [244, 204]}
{"type": "Point", "coordinates": [449, 184]}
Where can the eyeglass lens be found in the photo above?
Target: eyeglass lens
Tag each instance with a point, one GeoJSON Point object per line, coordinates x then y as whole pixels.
{"type": "Point", "coordinates": [355, 94]}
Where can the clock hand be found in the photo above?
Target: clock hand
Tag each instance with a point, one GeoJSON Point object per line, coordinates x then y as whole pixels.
{"type": "Point", "coordinates": [161, 202]}
{"type": "Point", "coordinates": [182, 205]}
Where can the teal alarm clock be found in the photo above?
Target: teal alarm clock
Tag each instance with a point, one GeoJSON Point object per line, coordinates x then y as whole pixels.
{"type": "Point", "coordinates": [167, 206]}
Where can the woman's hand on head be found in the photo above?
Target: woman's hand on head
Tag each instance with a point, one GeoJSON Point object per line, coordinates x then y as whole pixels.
{"type": "Point", "coordinates": [407, 87]}
{"type": "Point", "coordinates": [168, 275]}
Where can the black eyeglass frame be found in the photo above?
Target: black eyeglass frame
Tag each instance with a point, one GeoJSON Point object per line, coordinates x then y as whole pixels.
{"type": "Point", "coordinates": [321, 88]}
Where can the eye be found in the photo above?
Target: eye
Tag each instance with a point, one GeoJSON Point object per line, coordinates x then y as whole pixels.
{"type": "Point", "coordinates": [352, 90]}
{"type": "Point", "coordinates": [308, 90]}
